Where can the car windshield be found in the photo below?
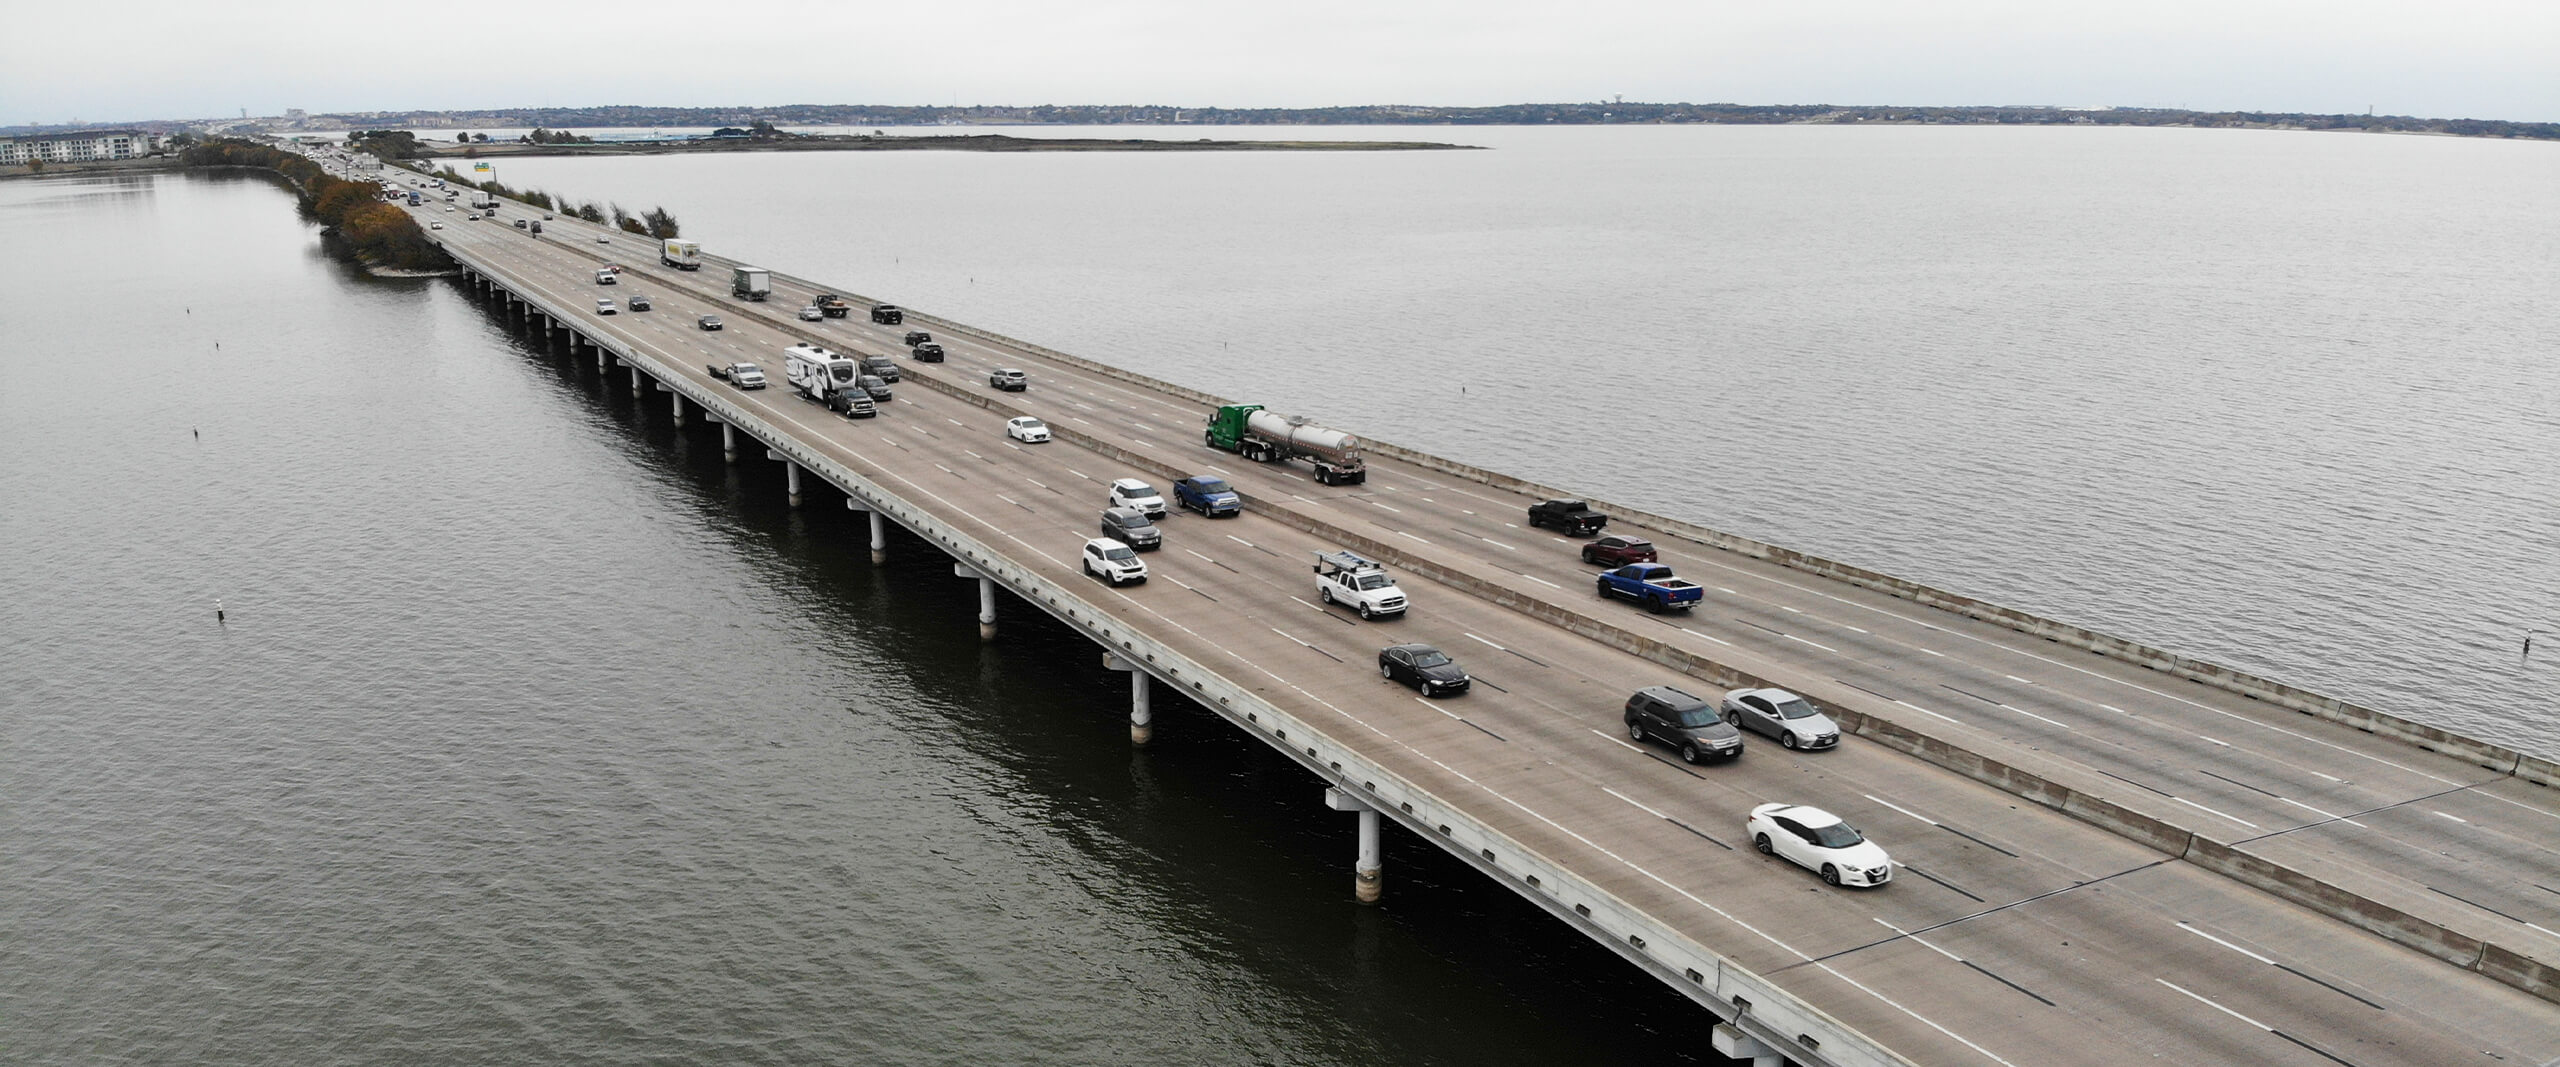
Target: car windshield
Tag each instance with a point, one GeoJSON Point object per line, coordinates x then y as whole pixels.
{"type": "Point", "coordinates": [1635, 544]}
{"type": "Point", "coordinates": [1119, 552]}
{"type": "Point", "coordinates": [1795, 709]}
{"type": "Point", "coordinates": [1700, 715]}
{"type": "Point", "coordinates": [1430, 657]}
{"type": "Point", "coordinates": [1032, 424]}
{"type": "Point", "coordinates": [1136, 491]}
{"type": "Point", "coordinates": [1210, 485]}
{"type": "Point", "coordinates": [1131, 521]}
{"type": "Point", "coordinates": [844, 373]}
{"type": "Point", "coordinates": [1373, 581]}
{"type": "Point", "coordinates": [1836, 835]}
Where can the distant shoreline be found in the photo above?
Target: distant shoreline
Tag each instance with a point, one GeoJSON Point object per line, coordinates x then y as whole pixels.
{"type": "Point", "coordinates": [975, 142]}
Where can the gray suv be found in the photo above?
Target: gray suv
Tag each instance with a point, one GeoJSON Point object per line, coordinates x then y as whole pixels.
{"type": "Point", "coordinates": [1130, 527]}
{"type": "Point", "coordinates": [1687, 723]}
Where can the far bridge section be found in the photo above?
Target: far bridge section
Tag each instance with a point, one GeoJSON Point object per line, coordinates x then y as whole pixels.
{"type": "Point", "coordinates": [2200, 875]}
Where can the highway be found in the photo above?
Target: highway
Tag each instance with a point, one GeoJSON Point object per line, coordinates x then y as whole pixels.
{"type": "Point", "coordinates": [2013, 934]}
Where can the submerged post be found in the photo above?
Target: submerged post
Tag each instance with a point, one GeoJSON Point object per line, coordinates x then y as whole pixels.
{"type": "Point", "coordinates": [1141, 718]}
{"type": "Point", "coordinates": [1368, 877]}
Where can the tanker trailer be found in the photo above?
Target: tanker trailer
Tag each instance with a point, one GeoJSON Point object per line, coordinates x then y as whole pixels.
{"type": "Point", "coordinates": [1249, 431]}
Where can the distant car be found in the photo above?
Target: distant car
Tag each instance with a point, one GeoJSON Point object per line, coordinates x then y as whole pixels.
{"type": "Point", "coordinates": [1794, 721]}
{"type": "Point", "coordinates": [811, 313]}
{"type": "Point", "coordinates": [603, 239]}
{"type": "Point", "coordinates": [872, 385]}
{"type": "Point", "coordinates": [606, 277]}
{"type": "Point", "coordinates": [1685, 722]}
{"type": "Point", "coordinates": [854, 404]}
{"type": "Point", "coordinates": [1113, 561]}
{"type": "Point", "coordinates": [742, 375]}
{"type": "Point", "coordinates": [1819, 841]}
{"type": "Point", "coordinates": [638, 302]}
{"type": "Point", "coordinates": [1209, 495]}
{"type": "Point", "coordinates": [1009, 380]}
{"type": "Point", "coordinates": [448, 209]}
{"type": "Point", "coordinates": [1026, 429]}
{"type": "Point", "coordinates": [1132, 493]}
{"type": "Point", "coordinates": [887, 314]}
{"type": "Point", "coordinates": [614, 267]}
{"type": "Point", "coordinates": [1130, 527]}
{"type": "Point", "coordinates": [1618, 550]}
{"type": "Point", "coordinates": [604, 307]}
{"type": "Point", "coordinates": [1423, 667]}
{"type": "Point", "coordinates": [881, 365]}
{"type": "Point", "coordinates": [435, 225]}
{"type": "Point", "coordinates": [917, 337]}
{"type": "Point", "coordinates": [1571, 516]}
{"type": "Point", "coordinates": [472, 217]}
{"type": "Point", "coordinates": [522, 223]}
{"type": "Point", "coordinates": [927, 352]}
{"type": "Point", "coordinates": [546, 216]}
{"type": "Point", "coordinates": [708, 322]}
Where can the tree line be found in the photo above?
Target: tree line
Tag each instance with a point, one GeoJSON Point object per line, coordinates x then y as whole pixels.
{"type": "Point", "coordinates": [375, 232]}
{"type": "Point", "coordinates": [656, 222]}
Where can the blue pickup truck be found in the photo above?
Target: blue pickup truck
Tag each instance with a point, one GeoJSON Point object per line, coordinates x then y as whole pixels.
{"type": "Point", "coordinates": [1651, 585]}
{"type": "Point", "coordinates": [1209, 495]}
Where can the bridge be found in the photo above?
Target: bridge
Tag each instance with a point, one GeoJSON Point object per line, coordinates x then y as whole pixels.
{"type": "Point", "coordinates": [2107, 853]}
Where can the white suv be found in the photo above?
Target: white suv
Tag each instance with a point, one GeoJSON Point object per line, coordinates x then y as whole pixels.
{"type": "Point", "coordinates": [1132, 493]}
{"type": "Point", "coordinates": [1113, 562]}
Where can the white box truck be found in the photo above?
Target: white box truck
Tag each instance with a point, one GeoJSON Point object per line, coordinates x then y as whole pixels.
{"type": "Point", "coordinates": [682, 255]}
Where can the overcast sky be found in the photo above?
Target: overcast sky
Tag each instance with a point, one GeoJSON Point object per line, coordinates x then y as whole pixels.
{"type": "Point", "coordinates": [148, 59]}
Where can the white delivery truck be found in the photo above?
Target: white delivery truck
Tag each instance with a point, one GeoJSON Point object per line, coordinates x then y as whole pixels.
{"type": "Point", "coordinates": [682, 255]}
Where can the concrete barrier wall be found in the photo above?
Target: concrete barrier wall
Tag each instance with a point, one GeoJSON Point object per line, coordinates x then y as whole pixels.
{"type": "Point", "coordinates": [2521, 971]}
{"type": "Point", "coordinates": [2364, 913]}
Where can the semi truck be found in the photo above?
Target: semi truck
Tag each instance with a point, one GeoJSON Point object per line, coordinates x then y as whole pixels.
{"type": "Point", "coordinates": [750, 283]}
{"type": "Point", "coordinates": [821, 375]}
{"type": "Point", "coordinates": [1249, 431]}
{"type": "Point", "coordinates": [682, 255]}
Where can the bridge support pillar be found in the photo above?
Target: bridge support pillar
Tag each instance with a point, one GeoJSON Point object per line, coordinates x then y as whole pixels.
{"type": "Point", "coordinates": [637, 387]}
{"type": "Point", "coordinates": [1368, 877]}
{"type": "Point", "coordinates": [986, 598]}
{"type": "Point", "coordinates": [728, 442]}
{"type": "Point", "coordinates": [603, 363]}
{"type": "Point", "coordinates": [791, 475]}
{"type": "Point", "coordinates": [675, 405]}
{"type": "Point", "coordinates": [879, 531]}
{"type": "Point", "coordinates": [1142, 727]}
{"type": "Point", "coordinates": [1742, 1046]}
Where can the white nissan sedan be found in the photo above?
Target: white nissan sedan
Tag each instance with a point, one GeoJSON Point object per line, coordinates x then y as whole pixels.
{"type": "Point", "coordinates": [1026, 429]}
{"type": "Point", "coordinates": [1819, 841]}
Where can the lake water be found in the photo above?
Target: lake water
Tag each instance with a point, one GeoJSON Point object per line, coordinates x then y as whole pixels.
{"type": "Point", "coordinates": [2285, 401]}
{"type": "Point", "coordinates": [537, 734]}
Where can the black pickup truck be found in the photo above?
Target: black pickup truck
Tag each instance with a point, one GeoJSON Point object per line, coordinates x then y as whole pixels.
{"type": "Point", "coordinates": [1571, 516]}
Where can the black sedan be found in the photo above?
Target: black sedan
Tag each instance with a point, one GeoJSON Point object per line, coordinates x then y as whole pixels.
{"type": "Point", "coordinates": [708, 322]}
{"type": "Point", "coordinates": [917, 337]}
{"type": "Point", "coordinates": [1423, 667]}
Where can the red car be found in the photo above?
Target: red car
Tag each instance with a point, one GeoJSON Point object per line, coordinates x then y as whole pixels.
{"type": "Point", "coordinates": [1618, 550]}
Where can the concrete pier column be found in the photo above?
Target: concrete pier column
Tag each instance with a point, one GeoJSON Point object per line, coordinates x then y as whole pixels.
{"type": "Point", "coordinates": [791, 471]}
{"type": "Point", "coordinates": [1741, 1046]}
{"type": "Point", "coordinates": [728, 442]}
{"type": "Point", "coordinates": [1368, 876]}
{"type": "Point", "coordinates": [1142, 727]}
{"type": "Point", "coordinates": [675, 406]}
{"type": "Point", "coordinates": [603, 359]}
{"type": "Point", "coordinates": [879, 531]}
{"type": "Point", "coordinates": [986, 599]}
{"type": "Point", "coordinates": [637, 386]}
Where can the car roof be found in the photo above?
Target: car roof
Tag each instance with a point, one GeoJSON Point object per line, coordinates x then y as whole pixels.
{"type": "Point", "coordinates": [1774, 696]}
{"type": "Point", "coordinates": [1132, 484]}
{"type": "Point", "coordinates": [1674, 695]}
{"type": "Point", "coordinates": [1411, 647]}
{"type": "Point", "coordinates": [1019, 420]}
{"type": "Point", "coordinates": [1105, 542]}
{"type": "Point", "coordinates": [1804, 814]}
{"type": "Point", "coordinates": [1124, 513]}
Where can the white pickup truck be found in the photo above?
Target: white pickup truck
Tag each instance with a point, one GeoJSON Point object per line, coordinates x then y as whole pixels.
{"type": "Point", "coordinates": [1344, 578]}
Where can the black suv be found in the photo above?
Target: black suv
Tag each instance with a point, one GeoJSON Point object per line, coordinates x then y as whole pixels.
{"type": "Point", "coordinates": [1687, 723]}
{"type": "Point", "coordinates": [928, 352]}
{"type": "Point", "coordinates": [888, 314]}
{"type": "Point", "coordinates": [917, 337]}
{"type": "Point", "coordinates": [880, 365]}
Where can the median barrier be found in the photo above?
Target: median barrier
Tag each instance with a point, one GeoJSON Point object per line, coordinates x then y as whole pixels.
{"type": "Point", "coordinates": [2355, 909]}
{"type": "Point", "coordinates": [2521, 971]}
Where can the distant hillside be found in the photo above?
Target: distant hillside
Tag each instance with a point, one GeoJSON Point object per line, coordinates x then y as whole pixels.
{"type": "Point", "coordinates": [1382, 115]}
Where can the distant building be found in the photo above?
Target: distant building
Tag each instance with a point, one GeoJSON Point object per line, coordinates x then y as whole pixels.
{"type": "Point", "coordinates": [79, 147]}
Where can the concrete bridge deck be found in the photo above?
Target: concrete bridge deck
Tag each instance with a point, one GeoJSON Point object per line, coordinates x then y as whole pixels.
{"type": "Point", "coordinates": [2121, 915]}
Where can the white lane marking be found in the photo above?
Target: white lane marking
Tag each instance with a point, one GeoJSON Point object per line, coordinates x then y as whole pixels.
{"type": "Point", "coordinates": [1079, 474]}
{"type": "Point", "coordinates": [1447, 712]}
{"type": "Point", "coordinates": [973, 453]}
{"type": "Point", "coordinates": [1639, 805]}
{"type": "Point", "coordinates": [2456, 818]}
{"type": "Point", "coordinates": [1317, 607]}
{"type": "Point", "coordinates": [1037, 482]}
{"type": "Point", "coordinates": [945, 470]}
{"type": "Point", "coordinates": [1922, 710]}
{"type": "Point", "coordinates": [2117, 710]}
{"type": "Point", "coordinates": [1900, 808]}
{"type": "Point", "coordinates": [2216, 740]}
{"type": "Point", "coordinates": [1816, 644]}
{"type": "Point", "coordinates": [955, 422]}
{"type": "Point", "coordinates": [1221, 470]}
{"type": "Point", "coordinates": [1846, 626]}
{"type": "Point", "coordinates": [2322, 814]}
{"type": "Point", "coordinates": [1240, 541]}
{"type": "Point", "coordinates": [2217, 1007]}
{"type": "Point", "coordinates": [1496, 544]}
{"type": "Point", "coordinates": [1202, 557]}
{"type": "Point", "coordinates": [1933, 652]}
{"type": "Point", "coordinates": [1488, 644]}
{"type": "Point", "coordinates": [1728, 589]}
{"type": "Point", "coordinates": [1542, 581]}
{"type": "Point", "coordinates": [1710, 637]}
{"type": "Point", "coordinates": [1922, 942]}
{"type": "Point", "coordinates": [2210, 811]}
{"type": "Point", "coordinates": [2038, 718]}
{"type": "Point", "coordinates": [1398, 511]}
{"type": "Point", "coordinates": [2015, 678]}
{"type": "Point", "coordinates": [1424, 540]}
{"type": "Point", "coordinates": [2226, 944]}
{"type": "Point", "coordinates": [1798, 611]}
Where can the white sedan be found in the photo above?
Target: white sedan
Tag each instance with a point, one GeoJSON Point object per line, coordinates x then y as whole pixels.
{"type": "Point", "coordinates": [1819, 841]}
{"type": "Point", "coordinates": [1026, 429]}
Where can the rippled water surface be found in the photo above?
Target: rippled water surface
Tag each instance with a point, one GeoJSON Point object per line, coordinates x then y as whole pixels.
{"type": "Point", "coordinates": [537, 735]}
{"type": "Point", "coordinates": [2286, 401]}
